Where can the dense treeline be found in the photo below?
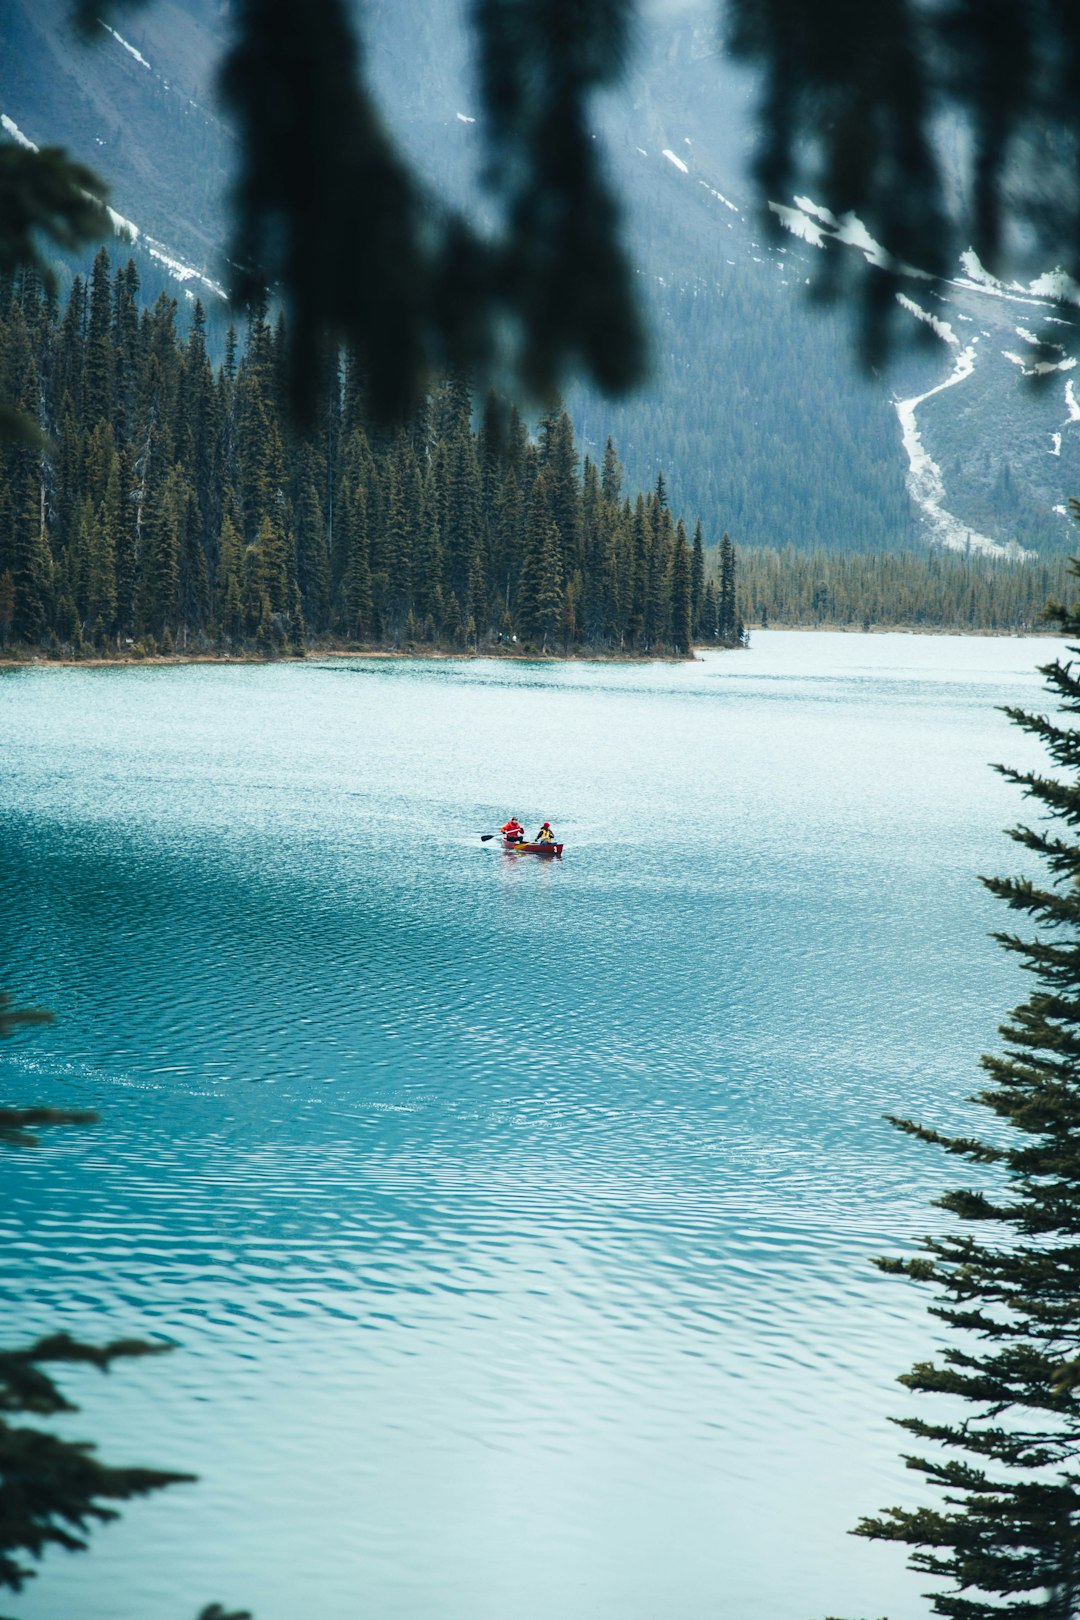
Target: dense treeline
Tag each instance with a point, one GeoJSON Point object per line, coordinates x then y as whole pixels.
{"type": "Point", "coordinates": [175, 507]}
{"type": "Point", "coordinates": [934, 589]}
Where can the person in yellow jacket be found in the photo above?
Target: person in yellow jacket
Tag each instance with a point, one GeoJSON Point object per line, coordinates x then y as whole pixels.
{"type": "Point", "coordinates": [545, 835]}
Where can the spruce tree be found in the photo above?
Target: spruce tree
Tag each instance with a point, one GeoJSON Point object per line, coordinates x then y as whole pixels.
{"type": "Point", "coordinates": [100, 365]}
{"type": "Point", "coordinates": [612, 477]}
{"type": "Point", "coordinates": [697, 577]}
{"type": "Point", "coordinates": [541, 600]}
{"type": "Point", "coordinates": [726, 610]}
{"type": "Point", "coordinates": [709, 612]}
{"type": "Point", "coordinates": [1007, 1537]}
{"type": "Point", "coordinates": [356, 610]}
{"type": "Point", "coordinates": [559, 464]}
{"type": "Point", "coordinates": [7, 605]}
{"type": "Point", "coordinates": [682, 612]}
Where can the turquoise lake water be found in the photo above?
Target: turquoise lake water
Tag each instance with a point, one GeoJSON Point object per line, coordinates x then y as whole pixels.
{"type": "Point", "coordinates": [511, 1218]}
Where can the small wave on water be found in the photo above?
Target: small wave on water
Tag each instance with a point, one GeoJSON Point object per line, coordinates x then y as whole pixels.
{"type": "Point", "coordinates": [512, 1218]}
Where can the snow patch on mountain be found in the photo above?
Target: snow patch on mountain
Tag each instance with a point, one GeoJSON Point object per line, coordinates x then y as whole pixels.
{"type": "Point", "coordinates": [812, 223]}
{"type": "Point", "coordinates": [139, 57]}
{"type": "Point", "coordinates": [808, 206]}
{"type": "Point", "coordinates": [463, 118]}
{"type": "Point", "coordinates": [799, 224]}
{"type": "Point", "coordinates": [925, 483]}
{"type": "Point", "coordinates": [1036, 341]}
{"type": "Point", "coordinates": [9, 127]}
{"type": "Point", "coordinates": [1055, 444]}
{"type": "Point", "coordinates": [1041, 368]}
{"type": "Point", "coordinates": [1070, 402]}
{"type": "Point", "coordinates": [1057, 285]}
{"type": "Point", "coordinates": [714, 193]}
{"type": "Point", "coordinates": [934, 322]}
{"type": "Point", "coordinates": [974, 271]}
{"type": "Point", "coordinates": [677, 161]}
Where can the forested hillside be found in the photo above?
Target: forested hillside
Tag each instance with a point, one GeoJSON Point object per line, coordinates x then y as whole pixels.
{"type": "Point", "coordinates": [925, 589]}
{"type": "Point", "coordinates": [173, 505]}
{"type": "Point", "coordinates": [755, 408]}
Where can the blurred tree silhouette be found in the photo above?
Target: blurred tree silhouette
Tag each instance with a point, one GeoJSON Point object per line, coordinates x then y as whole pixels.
{"type": "Point", "coordinates": [51, 1489]}
{"type": "Point", "coordinates": [942, 126]}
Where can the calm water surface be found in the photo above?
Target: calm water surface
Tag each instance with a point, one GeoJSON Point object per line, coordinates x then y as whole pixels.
{"type": "Point", "coordinates": [511, 1218]}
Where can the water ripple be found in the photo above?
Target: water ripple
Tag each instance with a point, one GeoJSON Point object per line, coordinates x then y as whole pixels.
{"type": "Point", "coordinates": [512, 1218]}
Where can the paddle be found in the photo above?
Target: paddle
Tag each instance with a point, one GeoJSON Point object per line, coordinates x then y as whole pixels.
{"type": "Point", "coordinates": [485, 837]}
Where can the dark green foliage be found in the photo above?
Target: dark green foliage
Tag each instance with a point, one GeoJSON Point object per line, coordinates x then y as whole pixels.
{"type": "Point", "coordinates": [725, 596]}
{"type": "Point", "coordinates": [682, 600]}
{"type": "Point", "coordinates": [1007, 1537]}
{"type": "Point", "coordinates": [936, 589]}
{"type": "Point", "coordinates": [181, 508]}
{"type": "Point", "coordinates": [15, 1123]}
{"type": "Point", "coordinates": [51, 1489]}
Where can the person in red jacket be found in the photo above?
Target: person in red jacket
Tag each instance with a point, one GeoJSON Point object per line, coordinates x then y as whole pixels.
{"type": "Point", "coordinates": [513, 832]}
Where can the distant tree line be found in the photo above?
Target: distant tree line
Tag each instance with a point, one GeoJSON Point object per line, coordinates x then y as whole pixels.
{"type": "Point", "coordinates": [175, 506]}
{"type": "Point", "coordinates": [941, 590]}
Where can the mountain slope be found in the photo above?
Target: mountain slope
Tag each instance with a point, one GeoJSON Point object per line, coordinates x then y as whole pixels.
{"type": "Point", "coordinates": [756, 409]}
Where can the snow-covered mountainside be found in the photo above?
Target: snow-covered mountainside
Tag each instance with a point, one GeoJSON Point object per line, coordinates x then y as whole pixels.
{"type": "Point", "coordinates": [756, 410]}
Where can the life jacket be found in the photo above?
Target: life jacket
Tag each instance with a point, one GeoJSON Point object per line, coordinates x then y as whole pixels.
{"type": "Point", "coordinates": [545, 836]}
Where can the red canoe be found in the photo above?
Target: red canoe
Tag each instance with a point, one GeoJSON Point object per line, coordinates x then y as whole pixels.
{"type": "Point", "coordinates": [532, 849]}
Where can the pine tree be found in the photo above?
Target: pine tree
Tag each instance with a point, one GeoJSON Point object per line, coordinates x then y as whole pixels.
{"type": "Point", "coordinates": [638, 553]}
{"type": "Point", "coordinates": [559, 464]}
{"type": "Point", "coordinates": [100, 611]}
{"type": "Point", "coordinates": [31, 565]}
{"type": "Point", "coordinates": [125, 341]}
{"type": "Point", "coordinates": [7, 605]}
{"type": "Point", "coordinates": [356, 587]}
{"type": "Point", "coordinates": [540, 593]}
{"type": "Point", "coordinates": [164, 539]}
{"type": "Point", "coordinates": [100, 365]}
{"type": "Point", "coordinates": [1007, 1537]}
{"type": "Point", "coordinates": [697, 577]}
{"type": "Point", "coordinates": [271, 566]}
{"type": "Point", "coordinates": [726, 608]}
{"type": "Point", "coordinates": [612, 475]}
{"type": "Point", "coordinates": [312, 552]}
{"type": "Point", "coordinates": [126, 545]}
{"type": "Point", "coordinates": [709, 612]}
{"type": "Point", "coordinates": [230, 573]}
{"type": "Point", "coordinates": [682, 612]}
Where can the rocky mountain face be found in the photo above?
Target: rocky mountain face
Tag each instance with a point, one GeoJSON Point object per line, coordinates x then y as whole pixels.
{"type": "Point", "coordinates": [756, 409]}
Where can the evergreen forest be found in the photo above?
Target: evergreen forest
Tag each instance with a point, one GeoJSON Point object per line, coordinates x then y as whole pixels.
{"type": "Point", "coordinates": [166, 504]}
{"type": "Point", "coordinates": [931, 590]}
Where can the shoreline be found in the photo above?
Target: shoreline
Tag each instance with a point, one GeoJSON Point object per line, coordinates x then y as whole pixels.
{"type": "Point", "coordinates": [39, 660]}
{"type": "Point", "coordinates": [967, 631]}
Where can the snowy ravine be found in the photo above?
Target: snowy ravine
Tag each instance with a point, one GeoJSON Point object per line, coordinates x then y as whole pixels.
{"type": "Point", "coordinates": [925, 483]}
